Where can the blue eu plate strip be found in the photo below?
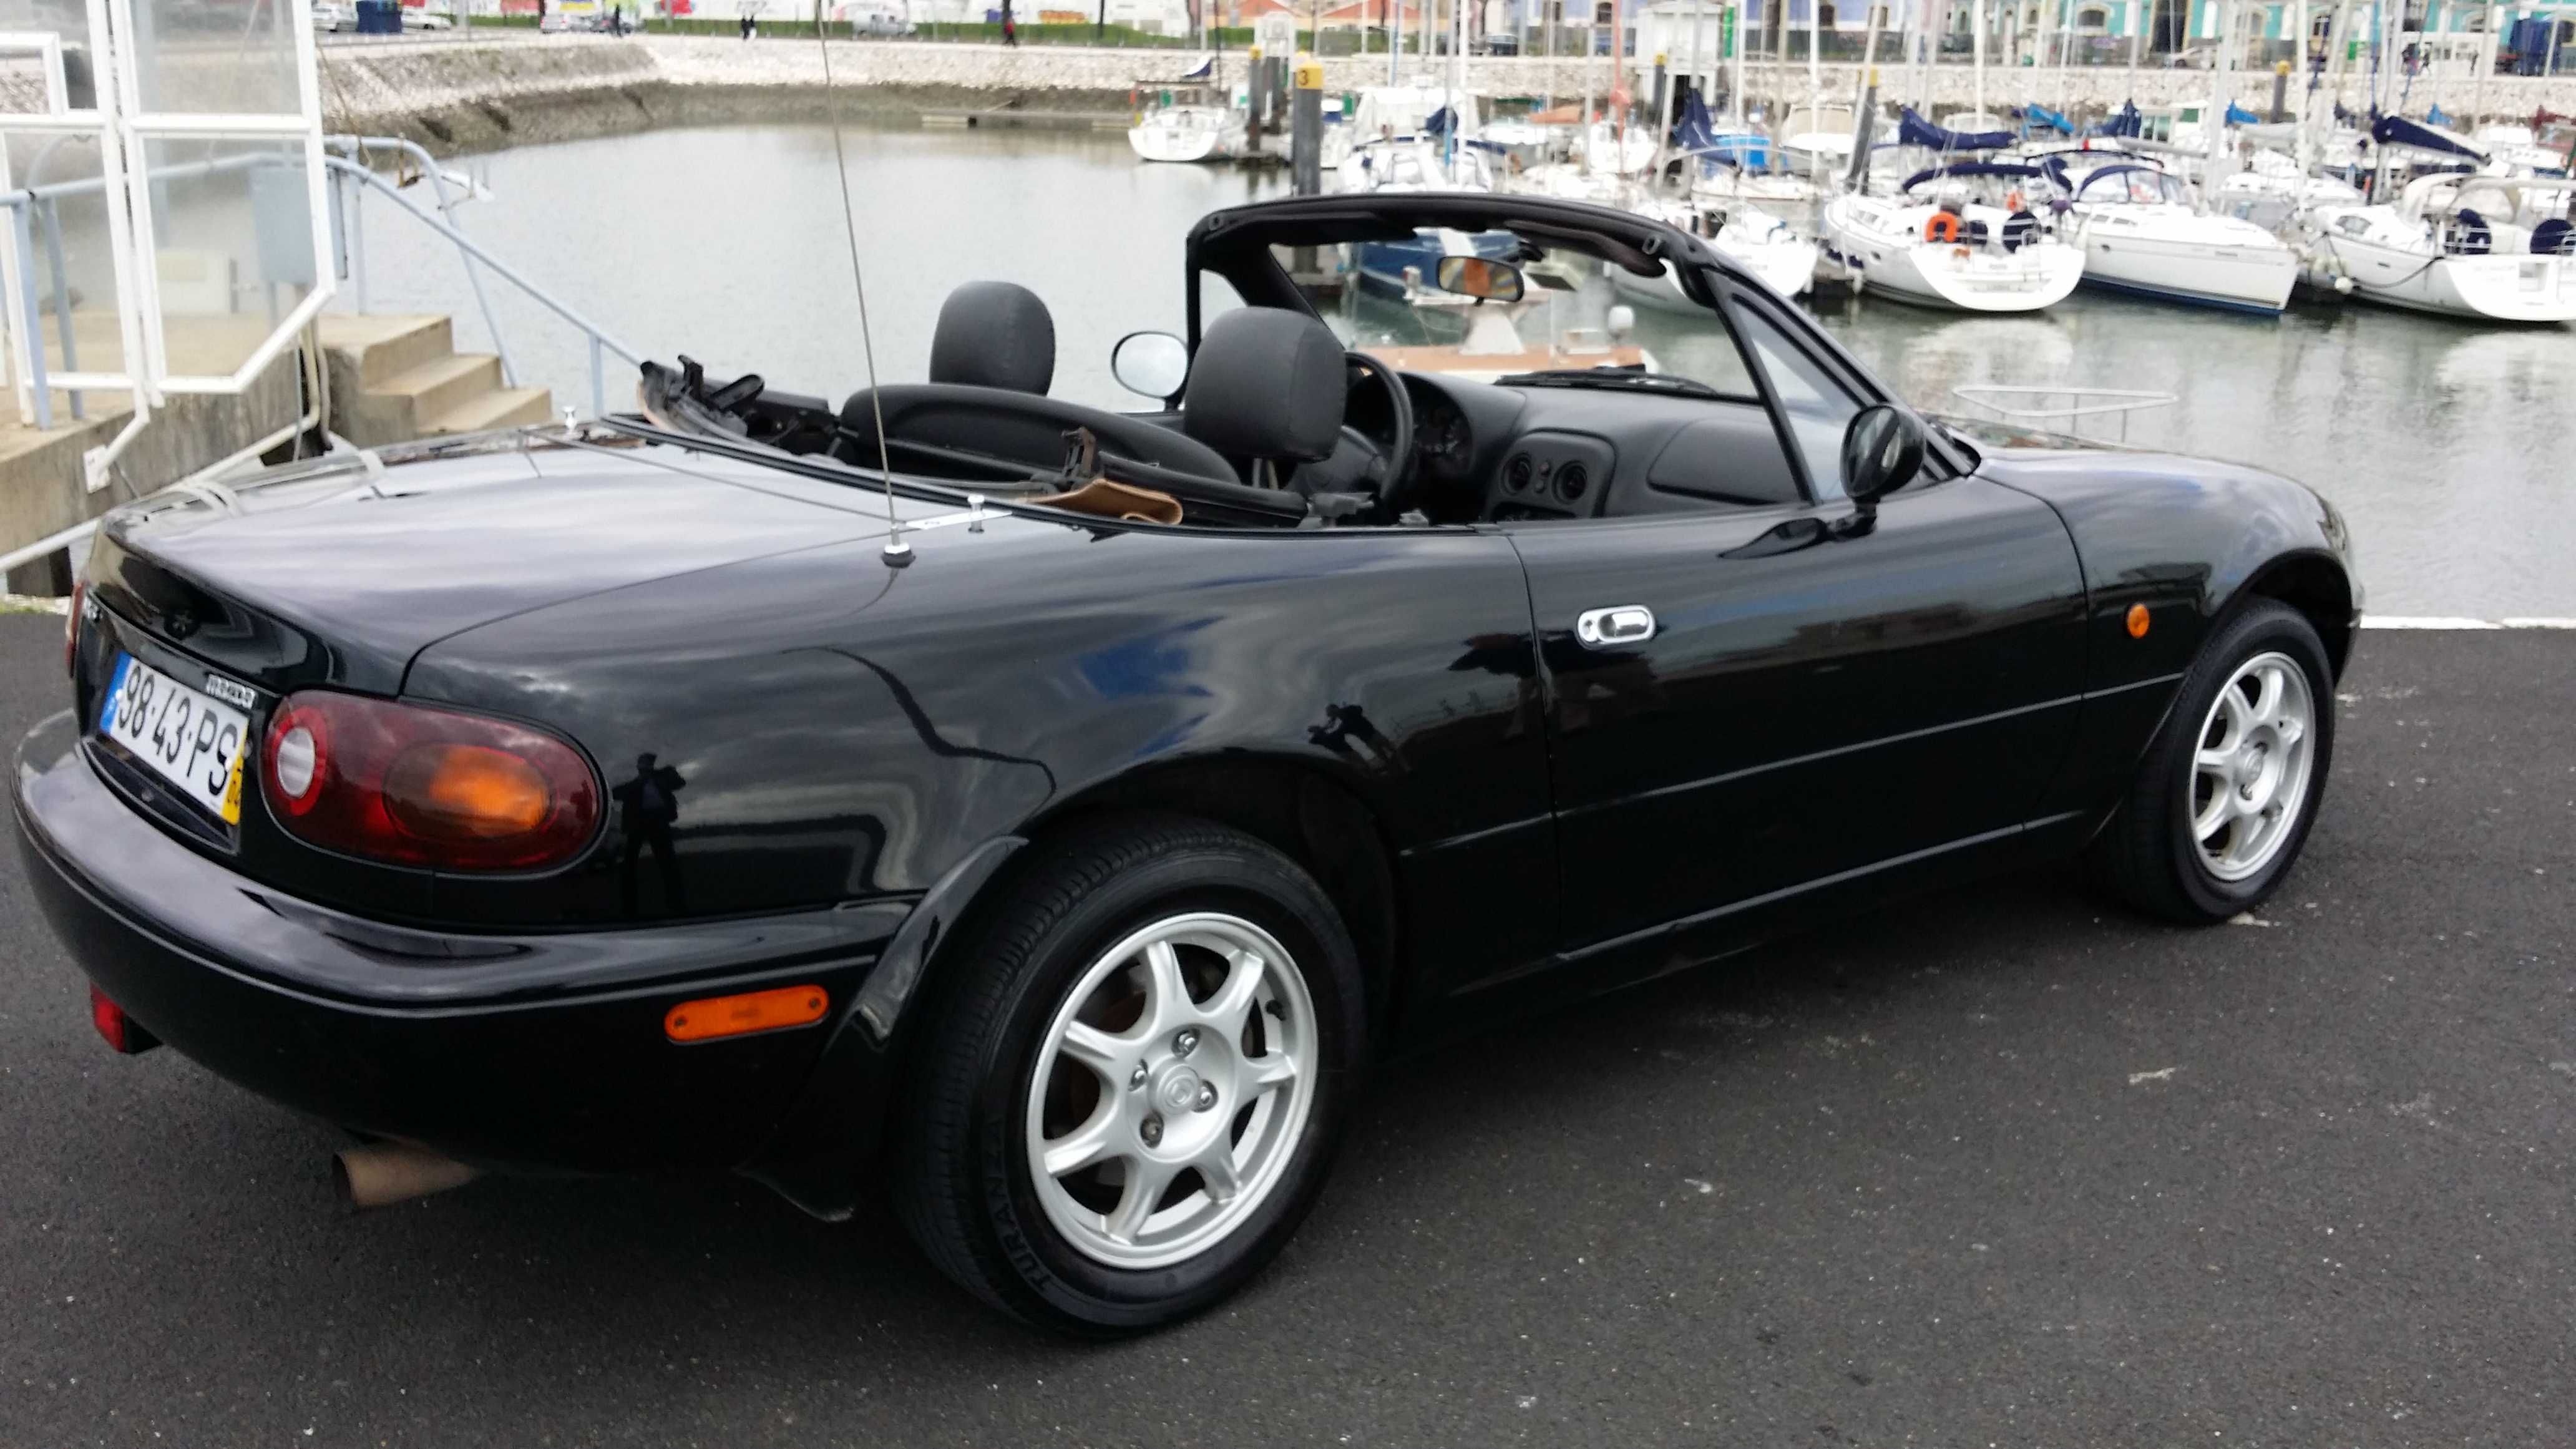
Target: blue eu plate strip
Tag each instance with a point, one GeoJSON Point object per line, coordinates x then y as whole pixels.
{"type": "Point", "coordinates": [115, 692]}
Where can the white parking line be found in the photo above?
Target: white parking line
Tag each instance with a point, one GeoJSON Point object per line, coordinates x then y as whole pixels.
{"type": "Point", "coordinates": [2436, 621]}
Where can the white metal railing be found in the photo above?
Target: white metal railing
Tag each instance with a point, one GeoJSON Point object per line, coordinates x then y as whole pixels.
{"type": "Point", "coordinates": [36, 207]}
{"type": "Point", "coordinates": [344, 158]}
{"type": "Point", "coordinates": [2036, 403]}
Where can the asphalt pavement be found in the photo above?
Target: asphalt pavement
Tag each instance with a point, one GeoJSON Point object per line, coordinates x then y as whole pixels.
{"type": "Point", "coordinates": [2006, 1168]}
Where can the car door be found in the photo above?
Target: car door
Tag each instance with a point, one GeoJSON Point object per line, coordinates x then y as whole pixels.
{"type": "Point", "coordinates": [1781, 697]}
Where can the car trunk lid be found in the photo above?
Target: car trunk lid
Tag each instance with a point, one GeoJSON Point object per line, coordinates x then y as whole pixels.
{"type": "Point", "coordinates": [341, 575]}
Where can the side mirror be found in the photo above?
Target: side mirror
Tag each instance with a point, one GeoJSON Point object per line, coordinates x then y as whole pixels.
{"type": "Point", "coordinates": [1480, 278]}
{"type": "Point", "coordinates": [1152, 363]}
{"type": "Point", "coordinates": [1882, 451]}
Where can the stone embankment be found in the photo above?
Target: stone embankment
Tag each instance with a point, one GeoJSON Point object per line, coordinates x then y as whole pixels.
{"type": "Point", "coordinates": [484, 94]}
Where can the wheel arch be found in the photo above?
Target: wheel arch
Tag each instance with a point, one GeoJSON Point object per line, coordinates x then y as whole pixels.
{"type": "Point", "coordinates": [1323, 823]}
{"type": "Point", "coordinates": [2314, 583]}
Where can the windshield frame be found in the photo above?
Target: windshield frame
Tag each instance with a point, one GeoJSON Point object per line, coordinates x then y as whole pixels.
{"type": "Point", "coordinates": [1240, 245]}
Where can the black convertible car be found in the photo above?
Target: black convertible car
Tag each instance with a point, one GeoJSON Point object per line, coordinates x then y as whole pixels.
{"type": "Point", "coordinates": [1048, 813]}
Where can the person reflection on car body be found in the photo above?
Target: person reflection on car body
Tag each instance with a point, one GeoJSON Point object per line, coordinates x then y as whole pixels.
{"type": "Point", "coordinates": [646, 808]}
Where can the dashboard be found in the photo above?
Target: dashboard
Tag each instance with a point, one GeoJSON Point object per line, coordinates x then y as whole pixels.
{"type": "Point", "coordinates": [1488, 453]}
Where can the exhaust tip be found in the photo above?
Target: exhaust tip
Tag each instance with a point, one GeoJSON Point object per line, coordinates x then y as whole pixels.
{"type": "Point", "coordinates": [381, 1174]}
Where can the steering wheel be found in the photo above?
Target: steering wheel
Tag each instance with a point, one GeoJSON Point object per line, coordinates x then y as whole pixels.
{"type": "Point", "coordinates": [1383, 466]}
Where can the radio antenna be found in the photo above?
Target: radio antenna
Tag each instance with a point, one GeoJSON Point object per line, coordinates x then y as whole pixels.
{"type": "Point", "coordinates": [896, 553]}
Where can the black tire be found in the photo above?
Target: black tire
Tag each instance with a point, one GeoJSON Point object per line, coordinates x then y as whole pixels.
{"type": "Point", "coordinates": [962, 1180]}
{"type": "Point", "coordinates": [2146, 854]}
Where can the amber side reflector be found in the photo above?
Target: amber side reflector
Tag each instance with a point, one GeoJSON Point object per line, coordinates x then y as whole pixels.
{"type": "Point", "coordinates": [752, 1011]}
{"type": "Point", "coordinates": [2137, 621]}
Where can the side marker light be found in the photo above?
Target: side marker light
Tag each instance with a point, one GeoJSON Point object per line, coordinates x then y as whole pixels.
{"type": "Point", "coordinates": [2137, 621]}
{"type": "Point", "coordinates": [718, 1016]}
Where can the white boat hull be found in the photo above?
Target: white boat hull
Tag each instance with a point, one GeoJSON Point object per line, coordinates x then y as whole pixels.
{"type": "Point", "coordinates": [1185, 136]}
{"type": "Point", "coordinates": [2249, 277]}
{"type": "Point", "coordinates": [2496, 287]}
{"type": "Point", "coordinates": [1786, 265]}
{"type": "Point", "coordinates": [1895, 261]}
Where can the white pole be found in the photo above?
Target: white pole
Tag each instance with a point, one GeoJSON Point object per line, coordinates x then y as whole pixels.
{"type": "Point", "coordinates": [2047, 32]}
{"type": "Point", "coordinates": [1699, 19]}
{"type": "Point", "coordinates": [2485, 63]}
{"type": "Point", "coordinates": [1736, 86]}
{"type": "Point", "coordinates": [1977, 50]}
{"type": "Point", "coordinates": [2142, 13]}
{"type": "Point", "coordinates": [1547, 41]}
{"type": "Point", "coordinates": [2215, 119]}
{"type": "Point", "coordinates": [1815, 58]}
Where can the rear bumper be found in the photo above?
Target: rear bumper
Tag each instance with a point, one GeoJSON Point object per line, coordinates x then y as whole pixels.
{"type": "Point", "coordinates": [529, 1052]}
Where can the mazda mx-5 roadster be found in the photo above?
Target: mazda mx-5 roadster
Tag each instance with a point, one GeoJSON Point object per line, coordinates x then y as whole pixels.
{"type": "Point", "coordinates": [1044, 814]}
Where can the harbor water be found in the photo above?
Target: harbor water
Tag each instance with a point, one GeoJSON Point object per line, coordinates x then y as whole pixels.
{"type": "Point", "coordinates": [2448, 446]}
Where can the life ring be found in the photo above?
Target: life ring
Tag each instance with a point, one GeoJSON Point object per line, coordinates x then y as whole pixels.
{"type": "Point", "coordinates": [2013, 202]}
{"type": "Point", "coordinates": [1941, 226]}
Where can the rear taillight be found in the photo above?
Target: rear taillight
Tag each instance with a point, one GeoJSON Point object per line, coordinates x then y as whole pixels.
{"type": "Point", "coordinates": [71, 628]}
{"type": "Point", "coordinates": [417, 786]}
{"type": "Point", "coordinates": [121, 1032]}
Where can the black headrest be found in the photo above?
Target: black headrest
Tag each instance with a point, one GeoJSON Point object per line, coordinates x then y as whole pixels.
{"type": "Point", "coordinates": [994, 334]}
{"type": "Point", "coordinates": [1266, 383]}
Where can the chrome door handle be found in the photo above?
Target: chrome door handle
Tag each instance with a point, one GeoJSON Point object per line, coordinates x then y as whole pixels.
{"type": "Point", "coordinates": [1618, 624]}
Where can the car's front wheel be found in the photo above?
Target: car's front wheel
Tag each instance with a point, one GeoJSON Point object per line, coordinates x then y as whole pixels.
{"type": "Point", "coordinates": [1129, 1088]}
{"type": "Point", "coordinates": [2228, 790]}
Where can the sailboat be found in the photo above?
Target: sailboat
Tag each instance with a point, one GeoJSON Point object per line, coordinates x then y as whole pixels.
{"type": "Point", "coordinates": [1958, 234]}
{"type": "Point", "coordinates": [1190, 119]}
{"type": "Point", "coordinates": [2492, 248]}
{"type": "Point", "coordinates": [2143, 233]}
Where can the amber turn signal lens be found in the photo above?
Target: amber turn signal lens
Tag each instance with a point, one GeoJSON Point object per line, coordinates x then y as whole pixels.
{"type": "Point", "coordinates": [752, 1011]}
{"type": "Point", "coordinates": [465, 792]}
{"type": "Point", "coordinates": [2137, 621]}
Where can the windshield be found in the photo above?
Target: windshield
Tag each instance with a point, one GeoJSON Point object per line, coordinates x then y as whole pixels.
{"type": "Point", "coordinates": [2138, 184]}
{"type": "Point", "coordinates": [1575, 314]}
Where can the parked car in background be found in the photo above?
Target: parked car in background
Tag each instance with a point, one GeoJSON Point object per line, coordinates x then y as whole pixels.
{"type": "Point", "coordinates": [333, 16]}
{"type": "Point", "coordinates": [417, 18]}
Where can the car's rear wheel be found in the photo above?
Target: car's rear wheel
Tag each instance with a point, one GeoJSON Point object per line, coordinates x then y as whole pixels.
{"type": "Point", "coordinates": [1129, 1089]}
{"type": "Point", "coordinates": [2228, 790]}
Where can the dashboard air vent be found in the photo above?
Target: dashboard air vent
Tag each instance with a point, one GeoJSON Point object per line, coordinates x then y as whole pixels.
{"type": "Point", "coordinates": [1571, 480]}
{"type": "Point", "coordinates": [1516, 473]}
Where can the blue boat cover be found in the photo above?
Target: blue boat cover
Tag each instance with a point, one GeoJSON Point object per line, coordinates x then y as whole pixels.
{"type": "Point", "coordinates": [1693, 131]}
{"type": "Point", "coordinates": [1969, 168]}
{"type": "Point", "coordinates": [2434, 117]}
{"type": "Point", "coordinates": [1913, 130]}
{"type": "Point", "coordinates": [2239, 116]}
{"type": "Point", "coordinates": [2399, 131]}
{"type": "Point", "coordinates": [2043, 116]}
{"type": "Point", "coordinates": [1201, 71]}
{"type": "Point", "coordinates": [2126, 123]}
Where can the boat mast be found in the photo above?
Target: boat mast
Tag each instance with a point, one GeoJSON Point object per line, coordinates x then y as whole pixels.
{"type": "Point", "coordinates": [2047, 33]}
{"type": "Point", "coordinates": [2485, 63]}
{"type": "Point", "coordinates": [2142, 13]}
{"type": "Point", "coordinates": [1547, 40]}
{"type": "Point", "coordinates": [2221, 96]}
{"type": "Point", "coordinates": [1737, 86]}
{"type": "Point", "coordinates": [1977, 48]}
{"type": "Point", "coordinates": [1815, 63]}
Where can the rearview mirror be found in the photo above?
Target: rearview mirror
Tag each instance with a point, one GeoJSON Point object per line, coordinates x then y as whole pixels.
{"type": "Point", "coordinates": [1882, 451]}
{"type": "Point", "coordinates": [1152, 363]}
{"type": "Point", "coordinates": [1479, 277]}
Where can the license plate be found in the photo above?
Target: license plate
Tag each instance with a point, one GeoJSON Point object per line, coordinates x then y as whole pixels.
{"type": "Point", "coordinates": [185, 735]}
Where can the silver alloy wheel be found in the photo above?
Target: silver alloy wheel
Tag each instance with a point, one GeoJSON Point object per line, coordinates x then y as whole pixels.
{"type": "Point", "coordinates": [2250, 766]}
{"type": "Point", "coordinates": [1160, 1116]}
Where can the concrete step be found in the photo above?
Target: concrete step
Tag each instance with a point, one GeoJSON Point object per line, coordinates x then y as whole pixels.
{"type": "Point", "coordinates": [440, 385]}
{"type": "Point", "coordinates": [508, 407]}
{"type": "Point", "coordinates": [376, 348]}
